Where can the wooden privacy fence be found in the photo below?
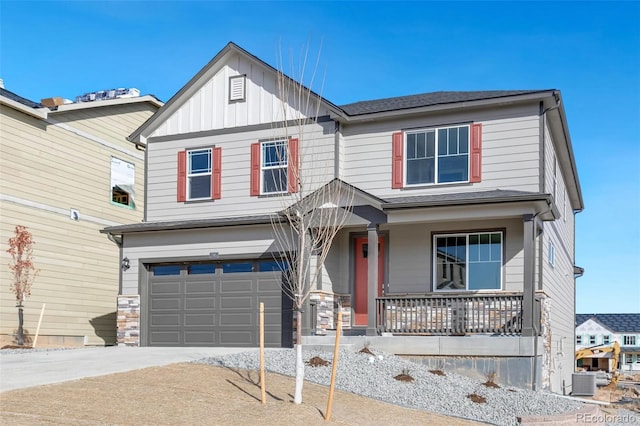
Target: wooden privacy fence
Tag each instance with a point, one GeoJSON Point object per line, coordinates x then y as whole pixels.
{"type": "Point", "coordinates": [450, 314]}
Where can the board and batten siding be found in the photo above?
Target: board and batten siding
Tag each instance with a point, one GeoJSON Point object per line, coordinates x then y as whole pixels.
{"type": "Point", "coordinates": [47, 168]}
{"type": "Point", "coordinates": [510, 151]}
{"type": "Point", "coordinates": [209, 107]}
{"type": "Point", "coordinates": [316, 166]}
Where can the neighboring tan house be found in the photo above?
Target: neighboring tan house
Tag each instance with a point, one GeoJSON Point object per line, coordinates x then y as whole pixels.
{"type": "Point", "coordinates": [460, 245]}
{"type": "Point", "coordinates": [66, 172]}
{"type": "Point", "coordinates": [604, 330]}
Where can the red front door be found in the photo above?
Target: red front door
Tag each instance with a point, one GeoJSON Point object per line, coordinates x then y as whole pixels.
{"type": "Point", "coordinates": [361, 275]}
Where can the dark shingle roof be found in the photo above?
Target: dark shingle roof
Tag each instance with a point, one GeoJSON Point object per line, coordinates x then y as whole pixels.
{"type": "Point", "coordinates": [7, 94]}
{"type": "Point", "coordinates": [427, 99]}
{"type": "Point", "coordinates": [620, 323]}
{"type": "Point", "coordinates": [496, 195]}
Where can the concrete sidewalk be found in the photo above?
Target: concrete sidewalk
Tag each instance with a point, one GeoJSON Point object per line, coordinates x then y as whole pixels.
{"type": "Point", "coordinates": [23, 370]}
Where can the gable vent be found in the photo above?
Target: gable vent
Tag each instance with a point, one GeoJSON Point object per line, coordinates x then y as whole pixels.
{"type": "Point", "coordinates": [237, 85]}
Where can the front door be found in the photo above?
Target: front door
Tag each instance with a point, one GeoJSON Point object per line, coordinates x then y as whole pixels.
{"type": "Point", "coordinates": [361, 276]}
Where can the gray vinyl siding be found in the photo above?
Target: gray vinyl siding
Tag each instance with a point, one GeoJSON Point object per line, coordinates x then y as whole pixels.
{"type": "Point", "coordinates": [316, 165]}
{"type": "Point", "coordinates": [411, 253]}
{"type": "Point", "coordinates": [510, 151]}
{"type": "Point", "coordinates": [239, 242]}
{"type": "Point", "coordinates": [558, 281]}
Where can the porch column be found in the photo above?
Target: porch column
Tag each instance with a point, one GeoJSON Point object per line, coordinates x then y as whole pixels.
{"type": "Point", "coordinates": [528, 302]}
{"type": "Point", "coordinates": [372, 284]}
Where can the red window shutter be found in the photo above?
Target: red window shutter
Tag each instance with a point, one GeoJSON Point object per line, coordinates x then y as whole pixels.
{"type": "Point", "coordinates": [216, 174]}
{"type": "Point", "coordinates": [476, 153]}
{"type": "Point", "coordinates": [182, 176]}
{"type": "Point", "coordinates": [255, 169]}
{"type": "Point", "coordinates": [397, 170]}
{"type": "Point", "coordinates": [293, 166]}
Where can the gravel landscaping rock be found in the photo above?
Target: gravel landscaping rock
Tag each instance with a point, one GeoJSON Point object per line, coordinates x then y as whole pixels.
{"type": "Point", "coordinates": [373, 377]}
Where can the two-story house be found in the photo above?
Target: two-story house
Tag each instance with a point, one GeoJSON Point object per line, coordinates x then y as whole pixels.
{"type": "Point", "coordinates": [605, 329]}
{"type": "Point", "coordinates": [66, 172]}
{"type": "Point", "coordinates": [460, 248]}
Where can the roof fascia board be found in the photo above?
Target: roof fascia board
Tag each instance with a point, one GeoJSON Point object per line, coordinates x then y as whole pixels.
{"type": "Point", "coordinates": [195, 224]}
{"type": "Point", "coordinates": [558, 124]}
{"type": "Point", "coordinates": [105, 103]}
{"type": "Point", "coordinates": [34, 112]}
{"type": "Point", "coordinates": [445, 107]}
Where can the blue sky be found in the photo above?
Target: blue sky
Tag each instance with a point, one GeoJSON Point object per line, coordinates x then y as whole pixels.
{"type": "Point", "coordinates": [369, 50]}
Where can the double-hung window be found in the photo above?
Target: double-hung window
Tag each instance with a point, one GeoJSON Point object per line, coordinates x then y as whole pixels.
{"type": "Point", "coordinates": [274, 167]}
{"type": "Point", "coordinates": [629, 340]}
{"type": "Point", "coordinates": [437, 155]}
{"type": "Point", "coordinates": [606, 339]}
{"type": "Point", "coordinates": [468, 261]}
{"type": "Point", "coordinates": [199, 174]}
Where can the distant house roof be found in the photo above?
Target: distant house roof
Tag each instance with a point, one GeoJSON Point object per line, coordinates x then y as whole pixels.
{"type": "Point", "coordinates": [428, 99]}
{"type": "Point", "coordinates": [619, 323]}
{"type": "Point", "coordinates": [24, 101]}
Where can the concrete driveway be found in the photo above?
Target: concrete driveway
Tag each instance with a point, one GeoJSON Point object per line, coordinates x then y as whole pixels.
{"type": "Point", "coordinates": [41, 367]}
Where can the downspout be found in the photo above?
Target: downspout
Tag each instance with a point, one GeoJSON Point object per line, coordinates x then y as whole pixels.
{"type": "Point", "coordinates": [118, 242]}
{"type": "Point", "coordinates": [535, 325]}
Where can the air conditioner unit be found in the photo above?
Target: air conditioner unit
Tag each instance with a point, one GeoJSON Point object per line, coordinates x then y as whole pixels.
{"type": "Point", "coordinates": [583, 384]}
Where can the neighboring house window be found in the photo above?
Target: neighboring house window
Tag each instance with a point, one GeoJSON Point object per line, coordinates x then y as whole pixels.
{"type": "Point", "coordinates": [552, 254]}
{"type": "Point", "coordinates": [578, 340]}
{"type": "Point", "coordinates": [606, 339]}
{"type": "Point", "coordinates": [436, 156]}
{"type": "Point", "coordinates": [592, 339]}
{"type": "Point", "coordinates": [123, 177]}
{"type": "Point", "coordinates": [199, 174]}
{"type": "Point", "coordinates": [628, 358]}
{"type": "Point", "coordinates": [629, 340]}
{"type": "Point", "coordinates": [274, 167]}
{"type": "Point", "coordinates": [468, 261]}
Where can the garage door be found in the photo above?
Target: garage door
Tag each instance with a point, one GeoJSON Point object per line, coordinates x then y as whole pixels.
{"type": "Point", "coordinates": [217, 304]}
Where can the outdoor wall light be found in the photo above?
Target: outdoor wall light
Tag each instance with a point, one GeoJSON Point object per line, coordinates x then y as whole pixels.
{"type": "Point", "coordinates": [125, 264]}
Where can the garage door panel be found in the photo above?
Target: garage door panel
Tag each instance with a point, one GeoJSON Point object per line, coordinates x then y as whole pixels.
{"type": "Point", "coordinates": [164, 304]}
{"type": "Point", "coordinates": [166, 338]}
{"type": "Point", "coordinates": [163, 319]}
{"type": "Point", "coordinates": [200, 303]}
{"type": "Point", "coordinates": [200, 338]}
{"type": "Point", "coordinates": [237, 302]}
{"type": "Point", "coordinates": [171, 287]}
{"type": "Point", "coordinates": [235, 286]}
{"type": "Point", "coordinates": [200, 287]}
{"type": "Point", "coordinates": [205, 319]}
{"type": "Point", "coordinates": [237, 338]}
{"type": "Point", "coordinates": [267, 285]}
{"type": "Point", "coordinates": [237, 319]}
{"type": "Point", "coordinates": [271, 302]}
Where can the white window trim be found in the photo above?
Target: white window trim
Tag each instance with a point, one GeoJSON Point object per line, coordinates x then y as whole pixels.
{"type": "Point", "coordinates": [263, 167]}
{"type": "Point", "coordinates": [435, 260]}
{"type": "Point", "coordinates": [552, 254]}
{"type": "Point", "coordinates": [579, 339]}
{"type": "Point", "coordinates": [606, 339]}
{"type": "Point", "coordinates": [593, 339]}
{"type": "Point", "coordinates": [436, 162]}
{"type": "Point", "coordinates": [630, 337]}
{"type": "Point", "coordinates": [237, 82]}
{"type": "Point", "coordinates": [190, 175]}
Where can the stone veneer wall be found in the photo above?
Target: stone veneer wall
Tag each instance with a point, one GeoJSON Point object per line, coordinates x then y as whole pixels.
{"type": "Point", "coordinates": [128, 320]}
{"type": "Point", "coordinates": [343, 303]}
{"type": "Point", "coordinates": [545, 332]}
{"type": "Point", "coordinates": [324, 320]}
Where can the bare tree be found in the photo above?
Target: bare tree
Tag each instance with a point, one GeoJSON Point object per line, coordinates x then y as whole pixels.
{"type": "Point", "coordinates": [24, 271]}
{"type": "Point", "coordinates": [316, 206]}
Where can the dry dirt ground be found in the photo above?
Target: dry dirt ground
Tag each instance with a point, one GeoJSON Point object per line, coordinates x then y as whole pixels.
{"type": "Point", "coordinates": [196, 394]}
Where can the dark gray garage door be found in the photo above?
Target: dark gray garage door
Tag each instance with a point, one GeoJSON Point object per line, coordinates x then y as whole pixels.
{"type": "Point", "coordinates": [217, 304]}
